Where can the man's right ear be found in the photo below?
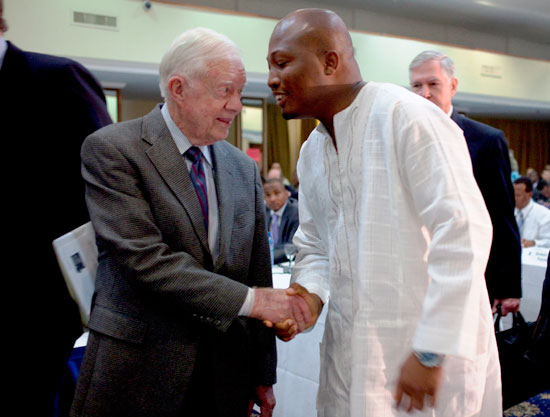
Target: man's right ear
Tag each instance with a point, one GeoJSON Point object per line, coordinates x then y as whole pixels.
{"type": "Point", "coordinates": [331, 63]}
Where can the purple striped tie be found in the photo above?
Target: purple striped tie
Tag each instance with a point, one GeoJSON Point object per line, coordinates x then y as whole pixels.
{"type": "Point", "coordinates": [199, 180]}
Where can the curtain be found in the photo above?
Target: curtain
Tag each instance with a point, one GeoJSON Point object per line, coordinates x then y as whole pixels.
{"type": "Point", "coordinates": [529, 139]}
{"type": "Point", "coordinates": [277, 140]}
{"type": "Point", "coordinates": [307, 126]}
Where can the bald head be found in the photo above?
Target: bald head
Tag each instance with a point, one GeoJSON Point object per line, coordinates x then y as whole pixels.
{"type": "Point", "coordinates": [312, 70]}
{"type": "Point", "coordinates": [318, 30]}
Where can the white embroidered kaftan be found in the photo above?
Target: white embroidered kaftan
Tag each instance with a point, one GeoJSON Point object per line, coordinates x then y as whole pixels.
{"type": "Point", "coordinates": [394, 228]}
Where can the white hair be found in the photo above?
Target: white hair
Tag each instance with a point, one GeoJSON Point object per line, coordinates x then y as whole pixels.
{"type": "Point", "coordinates": [190, 54]}
{"type": "Point", "coordinates": [447, 64]}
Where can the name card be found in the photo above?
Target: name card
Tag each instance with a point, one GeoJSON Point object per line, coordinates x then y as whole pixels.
{"type": "Point", "coordinates": [535, 256]}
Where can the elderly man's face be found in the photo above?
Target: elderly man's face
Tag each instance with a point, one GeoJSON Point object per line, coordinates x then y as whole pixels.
{"type": "Point", "coordinates": [212, 101]}
{"type": "Point", "coordinates": [522, 197]}
{"type": "Point", "coordinates": [431, 82]}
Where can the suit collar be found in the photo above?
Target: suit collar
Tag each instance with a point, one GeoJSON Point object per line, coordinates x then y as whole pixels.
{"type": "Point", "coordinates": [457, 118]}
{"type": "Point", "coordinates": [14, 66]}
{"type": "Point", "coordinates": [3, 50]}
{"type": "Point", "coordinates": [180, 139]}
{"type": "Point", "coordinates": [164, 154]}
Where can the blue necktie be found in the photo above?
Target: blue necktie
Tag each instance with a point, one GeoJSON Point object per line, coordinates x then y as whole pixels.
{"type": "Point", "coordinates": [198, 179]}
{"type": "Point", "coordinates": [275, 228]}
{"type": "Point", "coordinates": [521, 221]}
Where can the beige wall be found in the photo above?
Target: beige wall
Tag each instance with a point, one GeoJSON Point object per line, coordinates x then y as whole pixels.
{"type": "Point", "coordinates": [132, 109]}
{"type": "Point", "coordinates": [142, 36]}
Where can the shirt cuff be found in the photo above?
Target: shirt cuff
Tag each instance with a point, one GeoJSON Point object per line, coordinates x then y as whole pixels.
{"type": "Point", "coordinates": [246, 308]}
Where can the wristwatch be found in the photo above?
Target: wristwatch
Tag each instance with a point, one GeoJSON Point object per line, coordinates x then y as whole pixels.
{"type": "Point", "coordinates": [429, 359]}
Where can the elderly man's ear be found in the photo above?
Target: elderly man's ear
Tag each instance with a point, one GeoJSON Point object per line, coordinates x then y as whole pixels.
{"type": "Point", "coordinates": [177, 86]}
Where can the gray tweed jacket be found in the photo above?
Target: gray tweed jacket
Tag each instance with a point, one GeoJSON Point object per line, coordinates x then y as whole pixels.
{"type": "Point", "coordinates": [160, 300]}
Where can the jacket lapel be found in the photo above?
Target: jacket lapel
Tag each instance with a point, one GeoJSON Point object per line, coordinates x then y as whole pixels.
{"type": "Point", "coordinates": [457, 118]}
{"type": "Point", "coordinates": [164, 154]}
{"type": "Point", "coordinates": [223, 177]}
{"type": "Point", "coordinates": [284, 222]}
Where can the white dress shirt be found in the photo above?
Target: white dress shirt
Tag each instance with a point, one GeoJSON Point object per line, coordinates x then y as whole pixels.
{"type": "Point", "coordinates": [536, 223]}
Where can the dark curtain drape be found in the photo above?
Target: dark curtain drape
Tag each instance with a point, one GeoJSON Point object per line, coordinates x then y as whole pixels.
{"type": "Point", "coordinates": [529, 139]}
{"type": "Point", "coordinates": [277, 140]}
{"type": "Point", "coordinates": [307, 126]}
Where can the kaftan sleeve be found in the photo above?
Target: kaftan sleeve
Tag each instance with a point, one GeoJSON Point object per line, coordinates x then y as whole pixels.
{"type": "Point", "coordinates": [312, 262]}
{"type": "Point", "coordinates": [437, 172]}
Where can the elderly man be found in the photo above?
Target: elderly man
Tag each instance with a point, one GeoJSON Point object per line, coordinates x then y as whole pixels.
{"type": "Point", "coordinates": [392, 228]}
{"type": "Point", "coordinates": [432, 76]}
{"type": "Point", "coordinates": [282, 216]}
{"type": "Point", "coordinates": [533, 219]}
{"type": "Point", "coordinates": [180, 224]}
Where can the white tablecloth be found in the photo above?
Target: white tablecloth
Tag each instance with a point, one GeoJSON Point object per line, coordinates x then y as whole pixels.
{"type": "Point", "coordinates": [297, 366]}
{"type": "Point", "coordinates": [533, 269]}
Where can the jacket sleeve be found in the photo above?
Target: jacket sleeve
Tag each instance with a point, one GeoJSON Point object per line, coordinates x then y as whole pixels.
{"type": "Point", "coordinates": [133, 246]}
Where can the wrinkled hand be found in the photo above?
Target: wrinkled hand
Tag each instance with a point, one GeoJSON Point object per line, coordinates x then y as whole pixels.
{"type": "Point", "coordinates": [288, 329]}
{"type": "Point", "coordinates": [275, 306]}
{"type": "Point", "coordinates": [507, 305]}
{"type": "Point", "coordinates": [420, 383]}
{"type": "Point", "coordinates": [265, 398]}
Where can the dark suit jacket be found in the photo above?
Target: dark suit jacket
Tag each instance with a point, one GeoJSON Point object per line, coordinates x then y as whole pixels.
{"type": "Point", "coordinates": [289, 224]}
{"type": "Point", "coordinates": [48, 105]}
{"type": "Point", "coordinates": [162, 306]}
{"type": "Point", "coordinates": [491, 164]}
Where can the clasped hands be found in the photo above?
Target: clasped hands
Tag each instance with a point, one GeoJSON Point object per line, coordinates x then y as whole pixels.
{"type": "Point", "coordinates": [289, 311]}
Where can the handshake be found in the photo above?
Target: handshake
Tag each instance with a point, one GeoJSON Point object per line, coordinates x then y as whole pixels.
{"type": "Point", "coordinates": [289, 311]}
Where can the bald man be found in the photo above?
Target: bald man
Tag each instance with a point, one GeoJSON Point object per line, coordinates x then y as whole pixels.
{"type": "Point", "coordinates": [392, 228]}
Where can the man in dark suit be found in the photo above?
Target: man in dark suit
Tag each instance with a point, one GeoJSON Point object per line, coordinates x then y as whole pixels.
{"type": "Point", "coordinates": [432, 76]}
{"type": "Point", "coordinates": [175, 327]}
{"type": "Point", "coordinates": [48, 105]}
{"type": "Point", "coordinates": [282, 216]}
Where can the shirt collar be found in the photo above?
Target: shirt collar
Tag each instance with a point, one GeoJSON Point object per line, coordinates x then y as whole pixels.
{"type": "Point", "coordinates": [524, 209]}
{"type": "Point", "coordinates": [450, 111]}
{"type": "Point", "coordinates": [180, 139]}
{"type": "Point", "coordinates": [280, 211]}
{"type": "Point", "coordinates": [3, 49]}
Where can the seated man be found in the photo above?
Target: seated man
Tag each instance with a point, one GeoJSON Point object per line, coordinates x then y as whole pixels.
{"type": "Point", "coordinates": [276, 172]}
{"type": "Point", "coordinates": [541, 194]}
{"type": "Point", "coordinates": [533, 219]}
{"type": "Point", "coordinates": [282, 216]}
